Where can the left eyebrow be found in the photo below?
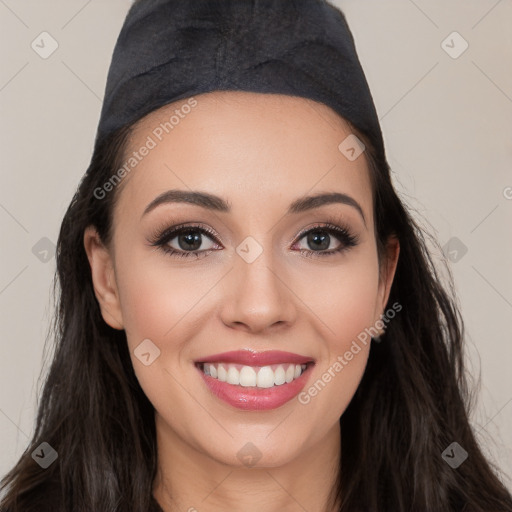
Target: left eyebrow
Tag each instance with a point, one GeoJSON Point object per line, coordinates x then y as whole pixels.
{"type": "Point", "coordinates": [216, 203]}
{"type": "Point", "coordinates": [309, 202]}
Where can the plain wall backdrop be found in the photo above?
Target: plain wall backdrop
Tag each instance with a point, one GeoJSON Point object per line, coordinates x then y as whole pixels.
{"type": "Point", "coordinates": [441, 77]}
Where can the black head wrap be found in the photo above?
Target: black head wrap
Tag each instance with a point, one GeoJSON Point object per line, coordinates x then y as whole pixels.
{"type": "Point", "coordinates": [170, 50]}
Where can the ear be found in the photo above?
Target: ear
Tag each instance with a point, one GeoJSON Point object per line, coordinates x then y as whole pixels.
{"type": "Point", "coordinates": [103, 278]}
{"type": "Point", "coordinates": [387, 272]}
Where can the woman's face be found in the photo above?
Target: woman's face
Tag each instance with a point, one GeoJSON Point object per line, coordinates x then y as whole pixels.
{"type": "Point", "coordinates": [259, 271]}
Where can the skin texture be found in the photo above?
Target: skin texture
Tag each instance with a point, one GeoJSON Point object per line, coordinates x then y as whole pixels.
{"type": "Point", "coordinates": [259, 152]}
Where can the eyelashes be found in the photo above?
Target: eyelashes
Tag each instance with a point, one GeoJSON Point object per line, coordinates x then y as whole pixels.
{"type": "Point", "coordinates": [342, 233]}
{"type": "Point", "coordinates": [193, 233]}
{"type": "Point", "coordinates": [161, 240]}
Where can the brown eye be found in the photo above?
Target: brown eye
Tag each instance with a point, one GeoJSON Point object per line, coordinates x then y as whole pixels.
{"type": "Point", "coordinates": [319, 240]}
{"type": "Point", "coordinates": [185, 241]}
{"type": "Point", "coordinates": [189, 240]}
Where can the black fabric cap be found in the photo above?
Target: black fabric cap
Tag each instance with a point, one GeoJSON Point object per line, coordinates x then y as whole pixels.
{"type": "Point", "coordinates": [169, 50]}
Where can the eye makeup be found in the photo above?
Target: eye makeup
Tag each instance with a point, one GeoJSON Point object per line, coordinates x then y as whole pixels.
{"type": "Point", "coordinates": [192, 233]}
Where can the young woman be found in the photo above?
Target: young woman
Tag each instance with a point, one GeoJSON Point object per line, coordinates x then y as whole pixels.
{"type": "Point", "coordinates": [249, 318]}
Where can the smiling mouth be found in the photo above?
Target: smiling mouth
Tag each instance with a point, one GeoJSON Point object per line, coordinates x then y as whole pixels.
{"type": "Point", "coordinates": [245, 376]}
{"type": "Point", "coordinates": [255, 381]}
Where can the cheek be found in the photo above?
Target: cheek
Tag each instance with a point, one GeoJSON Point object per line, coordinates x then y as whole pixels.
{"type": "Point", "coordinates": [169, 306]}
{"type": "Point", "coordinates": [162, 304]}
{"type": "Point", "coordinates": [345, 303]}
{"type": "Point", "coordinates": [158, 301]}
{"type": "Point", "coordinates": [343, 298]}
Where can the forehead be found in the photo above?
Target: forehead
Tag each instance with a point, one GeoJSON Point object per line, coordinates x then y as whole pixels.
{"type": "Point", "coordinates": [253, 149]}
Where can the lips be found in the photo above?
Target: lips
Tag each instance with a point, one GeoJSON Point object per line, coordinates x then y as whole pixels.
{"type": "Point", "coordinates": [253, 394]}
{"type": "Point", "coordinates": [249, 358]}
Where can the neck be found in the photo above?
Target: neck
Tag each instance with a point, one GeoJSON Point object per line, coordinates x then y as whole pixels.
{"type": "Point", "coordinates": [192, 481]}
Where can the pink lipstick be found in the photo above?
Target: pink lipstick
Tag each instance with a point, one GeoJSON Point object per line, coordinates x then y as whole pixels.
{"type": "Point", "coordinates": [254, 381]}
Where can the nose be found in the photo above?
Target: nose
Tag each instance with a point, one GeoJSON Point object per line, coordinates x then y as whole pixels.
{"type": "Point", "coordinates": [257, 296]}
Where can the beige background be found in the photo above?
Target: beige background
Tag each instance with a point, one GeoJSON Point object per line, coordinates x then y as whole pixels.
{"type": "Point", "coordinates": [448, 133]}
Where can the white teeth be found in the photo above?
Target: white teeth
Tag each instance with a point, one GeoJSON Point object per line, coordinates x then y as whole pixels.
{"type": "Point", "coordinates": [265, 377]}
{"type": "Point", "coordinates": [279, 376]}
{"type": "Point", "coordinates": [222, 374]}
{"type": "Point", "coordinates": [233, 376]}
{"type": "Point", "coordinates": [290, 372]}
{"type": "Point", "coordinates": [247, 376]}
{"type": "Point", "coordinates": [251, 376]}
